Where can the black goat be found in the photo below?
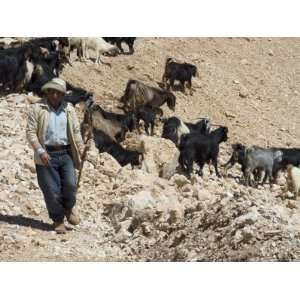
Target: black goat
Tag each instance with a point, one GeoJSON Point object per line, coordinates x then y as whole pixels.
{"type": "Point", "coordinates": [289, 156]}
{"type": "Point", "coordinates": [148, 115]}
{"type": "Point", "coordinates": [183, 72]}
{"type": "Point", "coordinates": [13, 67]}
{"type": "Point", "coordinates": [123, 156]}
{"type": "Point", "coordinates": [31, 65]}
{"type": "Point", "coordinates": [118, 42]}
{"type": "Point", "coordinates": [174, 128]}
{"type": "Point", "coordinates": [201, 149]}
{"type": "Point", "coordinates": [238, 156]}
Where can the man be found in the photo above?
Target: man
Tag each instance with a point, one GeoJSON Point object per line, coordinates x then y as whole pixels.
{"type": "Point", "coordinates": [53, 131]}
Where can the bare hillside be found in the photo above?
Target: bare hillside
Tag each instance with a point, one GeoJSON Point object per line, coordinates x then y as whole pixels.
{"type": "Point", "coordinates": [250, 85]}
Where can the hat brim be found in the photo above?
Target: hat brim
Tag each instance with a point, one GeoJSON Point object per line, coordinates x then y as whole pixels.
{"type": "Point", "coordinates": [53, 86]}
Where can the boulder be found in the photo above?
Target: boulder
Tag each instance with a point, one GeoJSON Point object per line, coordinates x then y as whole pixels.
{"type": "Point", "coordinates": [145, 206]}
{"type": "Point", "coordinates": [160, 156]}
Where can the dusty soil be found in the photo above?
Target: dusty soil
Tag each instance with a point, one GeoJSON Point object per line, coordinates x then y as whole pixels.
{"type": "Point", "coordinates": [250, 85]}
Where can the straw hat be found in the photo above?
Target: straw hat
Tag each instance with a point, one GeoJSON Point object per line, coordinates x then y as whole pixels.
{"type": "Point", "coordinates": [55, 84]}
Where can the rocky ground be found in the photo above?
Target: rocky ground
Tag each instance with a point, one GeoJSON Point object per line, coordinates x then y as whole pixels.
{"type": "Point", "coordinates": [151, 214]}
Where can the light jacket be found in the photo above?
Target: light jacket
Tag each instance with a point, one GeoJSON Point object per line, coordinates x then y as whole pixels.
{"type": "Point", "coordinates": [37, 124]}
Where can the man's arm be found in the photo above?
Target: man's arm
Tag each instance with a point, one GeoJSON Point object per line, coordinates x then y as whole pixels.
{"type": "Point", "coordinates": [31, 131]}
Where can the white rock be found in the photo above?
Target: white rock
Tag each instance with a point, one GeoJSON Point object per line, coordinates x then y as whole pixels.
{"type": "Point", "coordinates": [248, 219]}
{"type": "Point", "coordinates": [205, 195]}
{"type": "Point", "coordinates": [180, 180]}
{"type": "Point", "coordinates": [161, 156]}
{"type": "Point", "coordinates": [244, 62]}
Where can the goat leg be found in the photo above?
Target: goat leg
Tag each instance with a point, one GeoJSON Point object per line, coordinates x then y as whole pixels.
{"type": "Point", "coordinates": [228, 166]}
{"type": "Point", "coordinates": [152, 128]}
{"type": "Point", "coordinates": [146, 126]}
{"type": "Point", "coordinates": [164, 81]}
{"type": "Point", "coordinates": [189, 85]}
{"type": "Point", "coordinates": [119, 45]}
{"type": "Point", "coordinates": [247, 176]}
{"type": "Point", "coordinates": [269, 174]}
{"type": "Point", "coordinates": [209, 167]}
{"type": "Point", "coordinates": [200, 171]}
{"type": "Point", "coordinates": [215, 164]}
{"type": "Point", "coordinates": [183, 86]}
{"type": "Point", "coordinates": [171, 84]}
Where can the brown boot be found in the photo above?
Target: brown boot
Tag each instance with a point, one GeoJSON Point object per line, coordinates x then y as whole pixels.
{"type": "Point", "coordinates": [72, 217]}
{"type": "Point", "coordinates": [59, 227]}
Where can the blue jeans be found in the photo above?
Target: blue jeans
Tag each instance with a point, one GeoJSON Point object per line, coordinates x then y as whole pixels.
{"type": "Point", "coordinates": [58, 183]}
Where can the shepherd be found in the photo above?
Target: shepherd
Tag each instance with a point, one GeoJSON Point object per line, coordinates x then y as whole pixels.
{"type": "Point", "coordinates": [53, 132]}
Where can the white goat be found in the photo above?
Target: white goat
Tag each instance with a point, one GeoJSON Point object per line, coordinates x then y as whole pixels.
{"type": "Point", "coordinates": [76, 43]}
{"type": "Point", "coordinates": [99, 46]}
{"type": "Point", "coordinates": [293, 180]}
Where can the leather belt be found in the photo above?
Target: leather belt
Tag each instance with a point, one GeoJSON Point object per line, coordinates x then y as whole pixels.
{"type": "Point", "coordinates": [58, 147]}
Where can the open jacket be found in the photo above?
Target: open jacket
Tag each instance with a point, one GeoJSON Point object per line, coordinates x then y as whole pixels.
{"type": "Point", "coordinates": [37, 124]}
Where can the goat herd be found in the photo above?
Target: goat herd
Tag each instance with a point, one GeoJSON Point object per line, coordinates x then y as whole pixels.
{"type": "Point", "coordinates": [28, 65]}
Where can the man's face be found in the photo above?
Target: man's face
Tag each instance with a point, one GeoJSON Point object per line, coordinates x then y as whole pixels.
{"type": "Point", "coordinates": [55, 97]}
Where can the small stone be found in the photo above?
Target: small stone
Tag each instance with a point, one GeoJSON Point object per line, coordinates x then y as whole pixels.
{"type": "Point", "coordinates": [291, 205]}
{"type": "Point", "coordinates": [244, 62]}
{"type": "Point", "coordinates": [180, 180]}
{"type": "Point", "coordinates": [227, 194]}
{"type": "Point", "coordinates": [36, 211]}
{"type": "Point", "coordinates": [229, 115]}
{"type": "Point", "coordinates": [243, 92]}
{"type": "Point", "coordinates": [270, 52]}
{"type": "Point", "coordinates": [248, 219]}
{"type": "Point", "coordinates": [33, 185]}
{"type": "Point", "coordinates": [130, 67]}
{"type": "Point", "coordinates": [30, 167]}
{"type": "Point", "coordinates": [248, 39]}
{"type": "Point", "coordinates": [187, 190]}
{"type": "Point", "coordinates": [204, 195]}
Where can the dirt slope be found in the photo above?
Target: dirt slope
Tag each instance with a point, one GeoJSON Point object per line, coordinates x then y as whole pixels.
{"type": "Point", "coordinates": [250, 85]}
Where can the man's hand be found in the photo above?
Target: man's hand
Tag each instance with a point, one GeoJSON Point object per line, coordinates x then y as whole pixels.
{"type": "Point", "coordinates": [45, 157]}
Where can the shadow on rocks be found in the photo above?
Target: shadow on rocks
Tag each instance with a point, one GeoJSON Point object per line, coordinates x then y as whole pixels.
{"type": "Point", "coordinates": [25, 221]}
